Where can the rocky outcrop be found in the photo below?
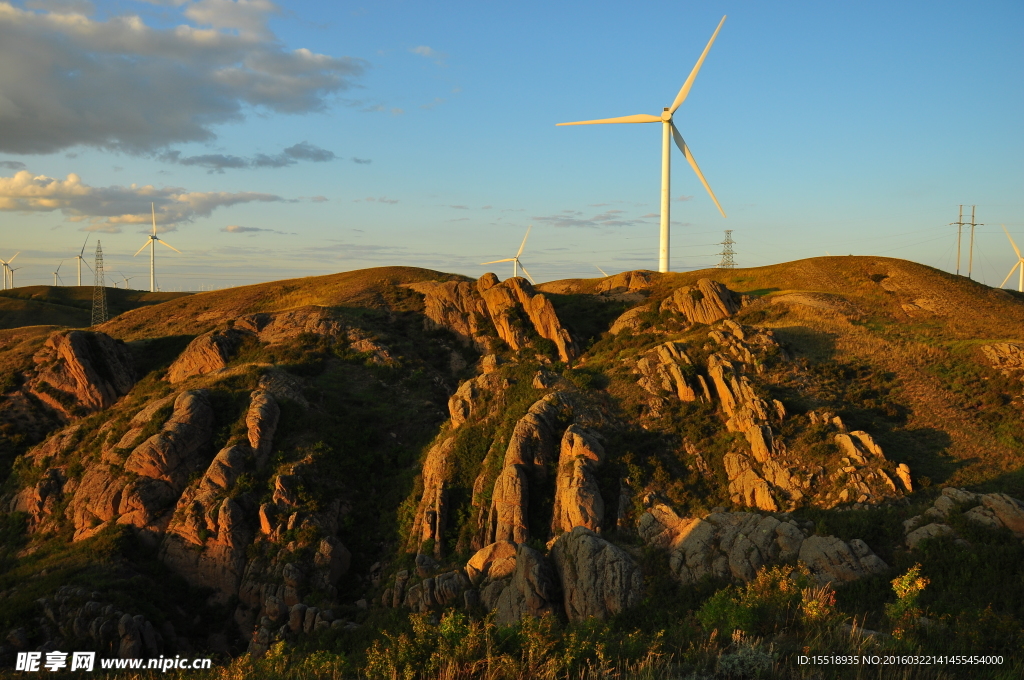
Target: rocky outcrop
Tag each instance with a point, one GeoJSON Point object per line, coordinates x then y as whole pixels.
{"type": "Point", "coordinates": [993, 510]}
{"type": "Point", "coordinates": [508, 306]}
{"type": "Point", "coordinates": [1007, 357]}
{"type": "Point", "coordinates": [161, 465]}
{"type": "Point", "coordinates": [734, 545]}
{"type": "Point", "coordinates": [532, 591]}
{"type": "Point", "coordinates": [598, 579]}
{"type": "Point", "coordinates": [831, 559]}
{"type": "Point", "coordinates": [630, 281]}
{"type": "Point", "coordinates": [578, 501]}
{"type": "Point", "coordinates": [207, 353]}
{"type": "Point", "coordinates": [79, 372]}
{"type": "Point", "coordinates": [495, 561]}
{"type": "Point", "coordinates": [431, 512]}
{"type": "Point", "coordinates": [467, 399]}
{"type": "Point", "coordinates": [667, 368]}
{"type": "Point", "coordinates": [706, 302]}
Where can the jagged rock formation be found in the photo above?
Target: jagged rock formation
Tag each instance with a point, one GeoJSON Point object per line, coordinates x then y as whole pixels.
{"type": "Point", "coordinates": [630, 281]}
{"type": "Point", "coordinates": [464, 310]}
{"type": "Point", "coordinates": [598, 579]}
{"type": "Point", "coordinates": [667, 368]}
{"type": "Point", "coordinates": [706, 302]}
{"type": "Point", "coordinates": [578, 501]}
{"type": "Point", "coordinates": [79, 372]}
{"type": "Point", "coordinates": [734, 545]}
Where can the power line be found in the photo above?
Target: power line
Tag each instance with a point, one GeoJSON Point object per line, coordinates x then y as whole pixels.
{"type": "Point", "coordinates": [727, 261]}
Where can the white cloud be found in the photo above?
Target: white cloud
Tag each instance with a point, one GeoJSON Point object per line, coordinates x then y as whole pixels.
{"type": "Point", "coordinates": [120, 84]}
{"type": "Point", "coordinates": [430, 53]}
{"type": "Point", "coordinates": [108, 208]}
{"type": "Point", "coordinates": [575, 218]}
{"type": "Point", "coordinates": [219, 162]}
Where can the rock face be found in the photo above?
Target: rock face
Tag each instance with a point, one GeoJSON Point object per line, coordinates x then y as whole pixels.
{"type": "Point", "coordinates": [495, 561]}
{"type": "Point", "coordinates": [79, 372]}
{"type": "Point", "coordinates": [506, 307]}
{"type": "Point", "coordinates": [994, 510]}
{"type": "Point", "coordinates": [162, 465]}
{"type": "Point", "coordinates": [532, 590]}
{"type": "Point", "coordinates": [706, 302]}
{"type": "Point", "coordinates": [207, 353]}
{"type": "Point", "coordinates": [665, 369]}
{"type": "Point", "coordinates": [734, 545]}
{"type": "Point", "coordinates": [578, 501]}
{"type": "Point", "coordinates": [598, 579]}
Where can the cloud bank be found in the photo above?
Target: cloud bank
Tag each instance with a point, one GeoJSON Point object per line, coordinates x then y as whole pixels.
{"type": "Point", "coordinates": [303, 151]}
{"type": "Point", "coordinates": [121, 85]}
{"type": "Point", "coordinates": [108, 208]}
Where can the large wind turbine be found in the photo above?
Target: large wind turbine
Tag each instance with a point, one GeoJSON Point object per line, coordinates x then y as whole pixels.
{"type": "Point", "coordinates": [669, 131]}
{"type": "Point", "coordinates": [153, 238]}
{"type": "Point", "coordinates": [81, 259]}
{"type": "Point", "coordinates": [516, 264]}
{"type": "Point", "coordinates": [7, 268]}
{"type": "Point", "coordinates": [1019, 265]}
{"type": "Point", "coordinates": [56, 275]}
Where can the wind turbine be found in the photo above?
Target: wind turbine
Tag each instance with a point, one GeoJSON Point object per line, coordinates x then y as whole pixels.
{"type": "Point", "coordinates": [82, 259]}
{"type": "Point", "coordinates": [1020, 265]}
{"type": "Point", "coordinates": [669, 131]}
{"type": "Point", "coordinates": [12, 270]}
{"type": "Point", "coordinates": [56, 275]}
{"type": "Point", "coordinates": [127, 278]}
{"type": "Point", "coordinates": [7, 268]}
{"type": "Point", "coordinates": [516, 264]}
{"type": "Point", "coordinates": [153, 238]}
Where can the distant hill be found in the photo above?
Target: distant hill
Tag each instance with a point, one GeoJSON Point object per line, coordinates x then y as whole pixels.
{"type": "Point", "coordinates": [68, 305]}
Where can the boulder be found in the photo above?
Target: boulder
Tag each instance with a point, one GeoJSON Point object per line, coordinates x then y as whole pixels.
{"type": "Point", "coordinates": [495, 561]}
{"type": "Point", "coordinates": [532, 590]}
{"type": "Point", "coordinates": [662, 370]}
{"type": "Point", "coordinates": [261, 421]}
{"type": "Point", "coordinates": [207, 353]}
{"type": "Point", "coordinates": [79, 372]}
{"type": "Point", "coordinates": [1009, 511]}
{"type": "Point", "coordinates": [176, 451]}
{"type": "Point", "coordinates": [1007, 357]}
{"type": "Point", "coordinates": [832, 559]}
{"type": "Point", "coordinates": [598, 579]}
{"type": "Point", "coordinates": [928, 531]}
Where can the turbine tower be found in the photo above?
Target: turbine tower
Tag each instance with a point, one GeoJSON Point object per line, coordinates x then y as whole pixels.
{"type": "Point", "coordinates": [1019, 266]}
{"type": "Point", "coordinates": [7, 269]}
{"type": "Point", "coordinates": [99, 291]}
{"type": "Point", "coordinates": [12, 270]}
{"type": "Point", "coordinates": [516, 264]}
{"type": "Point", "coordinates": [153, 238]}
{"type": "Point", "coordinates": [668, 132]}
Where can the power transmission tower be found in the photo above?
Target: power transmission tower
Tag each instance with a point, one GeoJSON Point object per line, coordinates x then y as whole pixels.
{"type": "Point", "coordinates": [99, 292]}
{"type": "Point", "coordinates": [727, 253]}
{"type": "Point", "coordinates": [970, 257]}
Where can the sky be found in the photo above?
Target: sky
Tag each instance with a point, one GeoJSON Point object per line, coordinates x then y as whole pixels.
{"type": "Point", "coordinates": [298, 138]}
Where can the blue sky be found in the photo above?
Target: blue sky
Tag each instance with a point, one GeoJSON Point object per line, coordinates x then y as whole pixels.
{"type": "Point", "coordinates": [303, 138]}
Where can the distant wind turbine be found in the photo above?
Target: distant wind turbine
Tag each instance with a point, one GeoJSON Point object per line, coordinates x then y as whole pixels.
{"type": "Point", "coordinates": [12, 270]}
{"type": "Point", "coordinates": [1019, 266]}
{"type": "Point", "coordinates": [669, 131]}
{"type": "Point", "coordinates": [153, 238]}
{"type": "Point", "coordinates": [126, 279]}
{"type": "Point", "coordinates": [7, 269]}
{"type": "Point", "coordinates": [81, 259]}
{"type": "Point", "coordinates": [56, 275]}
{"type": "Point", "coordinates": [516, 264]}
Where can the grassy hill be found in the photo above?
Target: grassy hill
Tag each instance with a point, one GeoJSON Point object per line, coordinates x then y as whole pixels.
{"type": "Point", "coordinates": [68, 305]}
{"type": "Point", "coordinates": [891, 347]}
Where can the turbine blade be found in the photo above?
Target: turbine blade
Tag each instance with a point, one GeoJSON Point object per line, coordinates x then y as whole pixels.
{"type": "Point", "coordinates": [58, 266]}
{"type": "Point", "coordinates": [15, 255]}
{"type": "Point", "coordinates": [639, 118]}
{"type": "Point", "coordinates": [153, 208]}
{"type": "Point", "coordinates": [526, 272]}
{"type": "Point", "coordinates": [139, 251]}
{"type": "Point", "coordinates": [507, 259]}
{"type": "Point", "coordinates": [603, 272]}
{"type": "Point", "coordinates": [84, 245]}
{"type": "Point", "coordinates": [169, 246]}
{"type": "Point", "coordinates": [523, 244]}
{"type": "Point", "coordinates": [1020, 263]}
{"type": "Point", "coordinates": [684, 91]}
{"type": "Point", "coordinates": [1015, 248]}
{"type": "Point", "coordinates": [693, 164]}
